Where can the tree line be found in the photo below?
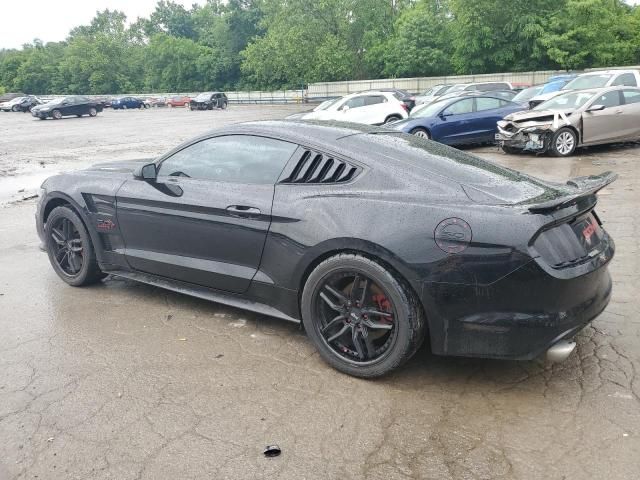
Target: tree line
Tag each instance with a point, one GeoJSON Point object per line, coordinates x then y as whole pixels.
{"type": "Point", "coordinates": [270, 44]}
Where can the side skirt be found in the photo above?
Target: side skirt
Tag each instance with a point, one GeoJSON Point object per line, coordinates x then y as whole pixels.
{"type": "Point", "coordinates": [204, 293]}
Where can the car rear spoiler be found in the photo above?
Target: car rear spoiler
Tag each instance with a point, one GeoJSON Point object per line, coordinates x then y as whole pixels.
{"type": "Point", "coordinates": [584, 186]}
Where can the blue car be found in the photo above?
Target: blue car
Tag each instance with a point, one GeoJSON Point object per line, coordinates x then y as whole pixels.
{"type": "Point", "coordinates": [458, 120]}
{"type": "Point", "coordinates": [127, 102]}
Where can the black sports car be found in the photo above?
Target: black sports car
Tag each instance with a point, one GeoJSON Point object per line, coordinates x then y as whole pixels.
{"type": "Point", "coordinates": [370, 237]}
{"type": "Point", "coordinates": [63, 107]}
{"type": "Point", "coordinates": [209, 101]}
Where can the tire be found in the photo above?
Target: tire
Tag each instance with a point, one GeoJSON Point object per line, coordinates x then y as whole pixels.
{"type": "Point", "coordinates": [563, 142]}
{"type": "Point", "coordinates": [56, 114]}
{"type": "Point", "coordinates": [224, 106]}
{"type": "Point", "coordinates": [421, 133]}
{"type": "Point", "coordinates": [93, 112]}
{"type": "Point", "coordinates": [509, 150]}
{"type": "Point", "coordinates": [15, 108]}
{"type": "Point", "coordinates": [396, 342]}
{"type": "Point", "coordinates": [392, 118]}
{"type": "Point", "coordinates": [79, 116]}
{"type": "Point", "coordinates": [89, 271]}
{"type": "Point", "coordinates": [124, 107]}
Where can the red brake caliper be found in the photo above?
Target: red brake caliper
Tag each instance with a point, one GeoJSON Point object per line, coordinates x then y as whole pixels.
{"type": "Point", "coordinates": [383, 305]}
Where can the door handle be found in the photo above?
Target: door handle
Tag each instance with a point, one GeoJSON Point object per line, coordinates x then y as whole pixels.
{"type": "Point", "coordinates": [242, 211]}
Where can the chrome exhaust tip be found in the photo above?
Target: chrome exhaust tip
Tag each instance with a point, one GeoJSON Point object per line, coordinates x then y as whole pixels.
{"type": "Point", "coordinates": [560, 351]}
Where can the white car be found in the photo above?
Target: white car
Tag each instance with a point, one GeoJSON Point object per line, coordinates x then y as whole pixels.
{"type": "Point", "coordinates": [372, 108]}
{"type": "Point", "coordinates": [590, 80]}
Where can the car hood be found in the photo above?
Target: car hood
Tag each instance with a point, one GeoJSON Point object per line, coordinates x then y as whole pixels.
{"type": "Point", "coordinates": [537, 115]}
{"type": "Point", "coordinates": [408, 123]}
{"type": "Point", "coordinates": [124, 166]}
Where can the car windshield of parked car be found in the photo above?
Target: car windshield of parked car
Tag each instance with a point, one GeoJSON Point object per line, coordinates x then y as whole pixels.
{"type": "Point", "coordinates": [16, 100]}
{"type": "Point", "coordinates": [430, 110]}
{"type": "Point", "coordinates": [326, 104]}
{"type": "Point", "coordinates": [588, 81]}
{"type": "Point", "coordinates": [457, 88]}
{"type": "Point", "coordinates": [528, 93]}
{"type": "Point", "coordinates": [203, 97]}
{"type": "Point", "coordinates": [567, 101]}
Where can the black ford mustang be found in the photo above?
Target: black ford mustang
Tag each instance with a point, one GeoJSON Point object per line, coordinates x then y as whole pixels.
{"type": "Point", "coordinates": [372, 238]}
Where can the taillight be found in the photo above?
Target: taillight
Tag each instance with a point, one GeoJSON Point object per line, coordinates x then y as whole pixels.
{"type": "Point", "coordinates": [406, 107]}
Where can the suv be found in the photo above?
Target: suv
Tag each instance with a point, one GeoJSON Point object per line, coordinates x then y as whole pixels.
{"type": "Point", "coordinates": [209, 101]}
{"type": "Point", "coordinates": [604, 78]}
{"type": "Point", "coordinates": [373, 108]}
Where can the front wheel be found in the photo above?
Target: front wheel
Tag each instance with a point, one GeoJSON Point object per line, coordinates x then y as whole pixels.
{"type": "Point", "coordinates": [392, 118]}
{"type": "Point", "coordinates": [15, 108]}
{"type": "Point", "coordinates": [563, 142]}
{"type": "Point", "coordinates": [93, 112]}
{"type": "Point", "coordinates": [56, 114]}
{"type": "Point", "coordinates": [70, 249]}
{"type": "Point", "coordinates": [421, 132]}
{"type": "Point", "coordinates": [363, 320]}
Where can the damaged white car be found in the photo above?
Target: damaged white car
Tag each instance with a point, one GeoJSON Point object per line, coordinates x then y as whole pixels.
{"type": "Point", "coordinates": [573, 119]}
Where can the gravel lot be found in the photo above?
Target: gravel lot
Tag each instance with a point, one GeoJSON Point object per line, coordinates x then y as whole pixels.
{"type": "Point", "coordinates": [126, 381]}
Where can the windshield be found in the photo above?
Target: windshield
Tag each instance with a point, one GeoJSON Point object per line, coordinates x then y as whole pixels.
{"type": "Point", "coordinates": [456, 88]}
{"type": "Point", "coordinates": [528, 93]}
{"type": "Point", "coordinates": [567, 101]}
{"type": "Point", "coordinates": [587, 81]}
{"type": "Point", "coordinates": [203, 97]}
{"type": "Point", "coordinates": [57, 101]}
{"type": "Point", "coordinates": [326, 104]}
{"type": "Point", "coordinates": [17, 100]}
{"type": "Point", "coordinates": [430, 110]}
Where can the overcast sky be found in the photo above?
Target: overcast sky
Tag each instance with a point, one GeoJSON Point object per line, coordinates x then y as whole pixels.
{"type": "Point", "coordinates": [51, 20]}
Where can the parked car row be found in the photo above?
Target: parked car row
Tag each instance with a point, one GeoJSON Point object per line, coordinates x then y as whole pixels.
{"type": "Point", "coordinates": [569, 111]}
{"type": "Point", "coordinates": [20, 104]}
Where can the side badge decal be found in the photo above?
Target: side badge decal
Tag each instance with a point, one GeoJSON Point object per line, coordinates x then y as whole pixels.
{"type": "Point", "coordinates": [105, 225]}
{"type": "Point", "coordinates": [453, 235]}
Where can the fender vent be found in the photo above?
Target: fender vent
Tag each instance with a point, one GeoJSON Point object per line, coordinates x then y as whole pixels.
{"type": "Point", "coordinates": [315, 167]}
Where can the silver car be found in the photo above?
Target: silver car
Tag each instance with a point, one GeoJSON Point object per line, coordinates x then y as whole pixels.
{"type": "Point", "coordinates": [573, 119]}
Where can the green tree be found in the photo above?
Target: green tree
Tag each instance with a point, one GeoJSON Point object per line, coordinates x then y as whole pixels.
{"type": "Point", "coordinates": [422, 44]}
{"type": "Point", "coordinates": [498, 36]}
{"type": "Point", "coordinates": [592, 33]}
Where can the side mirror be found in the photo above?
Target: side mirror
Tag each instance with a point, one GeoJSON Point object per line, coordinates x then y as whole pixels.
{"type": "Point", "coordinates": [148, 172]}
{"type": "Point", "coordinates": [595, 108]}
{"type": "Point", "coordinates": [443, 115]}
{"type": "Point", "coordinates": [345, 109]}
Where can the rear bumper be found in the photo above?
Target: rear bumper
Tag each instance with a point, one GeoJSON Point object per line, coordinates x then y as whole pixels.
{"type": "Point", "coordinates": [518, 317]}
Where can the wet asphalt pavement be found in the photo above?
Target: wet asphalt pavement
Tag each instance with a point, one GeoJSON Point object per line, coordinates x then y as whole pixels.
{"type": "Point", "coordinates": [126, 381]}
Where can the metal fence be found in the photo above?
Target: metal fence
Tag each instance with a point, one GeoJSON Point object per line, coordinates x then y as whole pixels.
{"type": "Point", "coordinates": [317, 92]}
{"type": "Point", "coordinates": [420, 84]}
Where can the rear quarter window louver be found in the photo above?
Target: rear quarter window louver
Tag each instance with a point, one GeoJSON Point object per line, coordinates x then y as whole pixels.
{"type": "Point", "coordinates": [313, 167]}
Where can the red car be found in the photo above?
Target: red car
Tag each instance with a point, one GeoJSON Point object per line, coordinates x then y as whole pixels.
{"type": "Point", "coordinates": [178, 101]}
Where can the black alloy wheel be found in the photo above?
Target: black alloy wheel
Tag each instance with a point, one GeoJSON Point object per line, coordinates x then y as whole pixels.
{"type": "Point", "coordinates": [363, 319]}
{"type": "Point", "coordinates": [356, 318]}
{"type": "Point", "coordinates": [69, 247]}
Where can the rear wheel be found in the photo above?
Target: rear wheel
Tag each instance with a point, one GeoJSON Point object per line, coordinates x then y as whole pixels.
{"type": "Point", "coordinates": [563, 142]}
{"type": "Point", "coordinates": [421, 132]}
{"type": "Point", "coordinates": [362, 319]}
{"type": "Point", "coordinates": [392, 118]}
{"type": "Point", "coordinates": [70, 249]}
{"type": "Point", "coordinates": [56, 114]}
{"type": "Point", "coordinates": [93, 112]}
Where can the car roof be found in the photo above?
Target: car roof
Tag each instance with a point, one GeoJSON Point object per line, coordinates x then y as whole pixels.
{"type": "Point", "coordinates": [607, 72]}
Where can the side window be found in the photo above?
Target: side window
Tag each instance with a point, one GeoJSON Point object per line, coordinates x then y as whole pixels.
{"type": "Point", "coordinates": [626, 79]}
{"type": "Point", "coordinates": [374, 99]}
{"type": "Point", "coordinates": [631, 96]}
{"type": "Point", "coordinates": [232, 158]}
{"type": "Point", "coordinates": [486, 103]}
{"type": "Point", "coordinates": [355, 102]}
{"type": "Point", "coordinates": [609, 99]}
{"type": "Point", "coordinates": [460, 107]}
